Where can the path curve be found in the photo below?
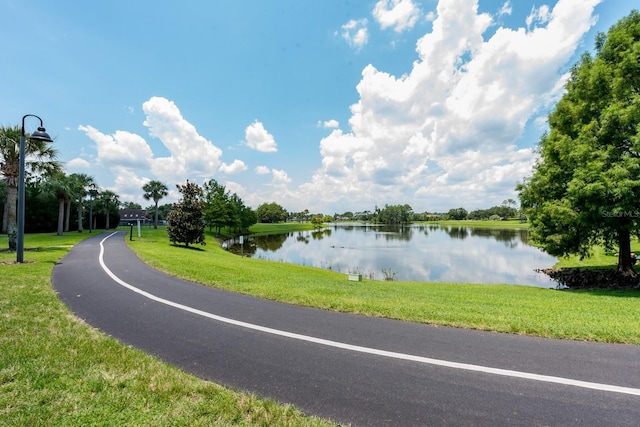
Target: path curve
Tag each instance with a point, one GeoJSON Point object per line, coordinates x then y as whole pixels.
{"type": "Point", "coordinates": [352, 369]}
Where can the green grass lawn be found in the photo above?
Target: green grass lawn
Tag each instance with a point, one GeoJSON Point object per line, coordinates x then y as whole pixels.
{"type": "Point", "coordinates": [282, 227]}
{"type": "Point", "coordinates": [609, 316]}
{"type": "Point", "coordinates": [57, 371]}
{"type": "Point", "coordinates": [510, 224]}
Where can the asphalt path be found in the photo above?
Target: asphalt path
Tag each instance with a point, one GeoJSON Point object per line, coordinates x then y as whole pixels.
{"type": "Point", "coordinates": [348, 368]}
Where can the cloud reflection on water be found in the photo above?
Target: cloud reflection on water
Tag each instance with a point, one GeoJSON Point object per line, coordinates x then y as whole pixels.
{"type": "Point", "coordinates": [423, 253]}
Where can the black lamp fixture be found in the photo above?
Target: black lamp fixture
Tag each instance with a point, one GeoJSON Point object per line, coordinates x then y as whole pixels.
{"type": "Point", "coordinates": [39, 135]}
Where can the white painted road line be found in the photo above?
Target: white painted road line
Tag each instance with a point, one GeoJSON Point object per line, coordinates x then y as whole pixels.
{"type": "Point", "coordinates": [368, 350]}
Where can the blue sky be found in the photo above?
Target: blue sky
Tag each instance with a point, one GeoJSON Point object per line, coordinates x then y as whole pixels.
{"type": "Point", "coordinates": [328, 105]}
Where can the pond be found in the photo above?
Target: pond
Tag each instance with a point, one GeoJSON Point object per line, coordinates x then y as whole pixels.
{"type": "Point", "coordinates": [423, 253]}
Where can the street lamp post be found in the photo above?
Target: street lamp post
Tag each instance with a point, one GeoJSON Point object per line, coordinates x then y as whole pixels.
{"type": "Point", "coordinates": [39, 135]}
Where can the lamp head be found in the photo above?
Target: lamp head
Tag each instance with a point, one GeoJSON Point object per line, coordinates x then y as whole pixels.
{"type": "Point", "coordinates": [41, 135]}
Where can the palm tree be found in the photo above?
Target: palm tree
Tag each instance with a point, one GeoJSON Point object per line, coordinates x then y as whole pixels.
{"type": "Point", "coordinates": [108, 199]}
{"type": "Point", "coordinates": [80, 184]}
{"type": "Point", "coordinates": [40, 157]}
{"type": "Point", "coordinates": [60, 186]}
{"type": "Point", "coordinates": [155, 190]}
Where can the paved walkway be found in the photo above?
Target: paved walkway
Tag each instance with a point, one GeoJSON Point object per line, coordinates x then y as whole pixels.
{"type": "Point", "coordinates": [348, 368]}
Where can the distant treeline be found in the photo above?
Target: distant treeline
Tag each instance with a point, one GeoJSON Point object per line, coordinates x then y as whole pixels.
{"type": "Point", "coordinates": [398, 214]}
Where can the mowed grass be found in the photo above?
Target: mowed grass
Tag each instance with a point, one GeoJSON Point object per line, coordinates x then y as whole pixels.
{"type": "Point", "coordinates": [57, 371]}
{"type": "Point", "coordinates": [509, 224]}
{"type": "Point", "coordinates": [282, 227]}
{"type": "Point", "coordinates": [607, 316]}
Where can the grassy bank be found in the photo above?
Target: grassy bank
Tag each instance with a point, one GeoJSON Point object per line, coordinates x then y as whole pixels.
{"type": "Point", "coordinates": [609, 316]}
{"type": "Point", "coordinates": [509, 224]}
{"type": "Point", "coordinates": [285, 227]}
{"type": "Point", "coordinates": [56, 370]}
{"type": "Point", "coordinates": [282, 227]}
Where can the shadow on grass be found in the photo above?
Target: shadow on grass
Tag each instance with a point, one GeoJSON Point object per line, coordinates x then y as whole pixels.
{"type": "Point", "coordinates": [37, 249]}
{"type": "Point", "coordinates": [596, 280]}
{"type": "Point", "coordinates": [193, 248]}
{"type": "Point", "coordinates": [607, 292]}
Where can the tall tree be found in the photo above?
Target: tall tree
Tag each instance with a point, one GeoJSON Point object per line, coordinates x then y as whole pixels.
{"type": "Point", "coordinates": [271, 212]}
{"type": "Point", "coordinates": [586, 185]}
{"type": "Point", "coordinates": [216, 208]}
{"type": "Point", "coordinates": [163, 210]}
{"type": "Point", "coordinates": [40, 157]}
{"type": "Point", "coordinates": [244, 216]}
{"type": "Point", "coordinates": [155, 190]}
{"type": "Point", "coordinates": [108, 199]}
{"type": "Point", "coordinates": [80, 185]}
{"type": "Point", "coordinates": [457, 214]}
{"type": "Point", "coordinates": [59, 185]}
{"type": "Point", "coordinates": [131, 205]}
{"type": "Point", "coordinates": [186, 223]}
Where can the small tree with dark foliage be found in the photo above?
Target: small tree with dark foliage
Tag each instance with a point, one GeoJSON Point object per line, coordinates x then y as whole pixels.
{"type": "Point", "coordinates": [185, 221]}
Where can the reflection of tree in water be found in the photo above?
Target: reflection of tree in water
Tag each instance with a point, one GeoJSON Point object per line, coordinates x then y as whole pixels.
{"type": "Point", "coordinates": [394, 232]}
{"type": "Point", "coordinates": [508, 237]}
{"type": "Point", "coordinates": [272, 242]}
{"type": "Point", "coordinates": [320, 234]}
{"type": "Point", "coordinates": [524, 236]}
{"type": "Point", "coordinates": [248, 248]}
{"type": "Point", "coordinates": [424, 229]}
{"type": "Point", "coordinates": [457, 232]}
{"type": "Point", "coordinates": [302, 237]}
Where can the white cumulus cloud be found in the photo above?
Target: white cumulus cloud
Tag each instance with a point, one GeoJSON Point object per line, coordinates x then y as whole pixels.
{"type": "Point", "coordinates": [236, 166]}
{"type": "Point", "coordinates": [329, 124]}
{"type": "Point", "coordinates": [120, 148]}
{"type": "Point", "coordinates": [191, 154]}
{"type": "Point", "coordinates": [280, 177]}
{"type": "Point", "coordinates": [128, 157]}
{"type": "Point", "coordinates": [257, 138]}
{"type": "Point", "coordinates": [447, 130]}
{"type": "Point", "coordinates": [262, 170]}
{"type": "Point", "coordinates": [506, 9]}
{"type": "Point", "coordinates": [77, 164]}
{"type": "Point", "coordinates": [539, 16]}
{"type": "Point", "coordinates": [398, 14]}
{"type": "Point", "coordinates": [355, 33]}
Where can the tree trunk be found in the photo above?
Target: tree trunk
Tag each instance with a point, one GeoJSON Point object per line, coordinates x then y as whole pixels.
{"type": "Point", "coordinates": [625, 260]}
{"type": "Point", "coordinates": [12, 217]}
{"type": "Point", "coordinates": [4, 218]}
{"type": "Point", "coordinates": [155, 222]}
{"type": "Point", "coordinates": [67, 216]}
{"type": "Point", "coordinates": [60, 216]}
{"type": "Point", "coordinates": [80, 216]}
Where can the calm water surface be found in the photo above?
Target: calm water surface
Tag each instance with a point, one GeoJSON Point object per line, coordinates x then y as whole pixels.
{"type": "Point", "coordinates": [412, 253]}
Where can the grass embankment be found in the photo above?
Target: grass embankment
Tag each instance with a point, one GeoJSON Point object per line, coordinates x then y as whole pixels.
{"type": "Point", "coordinates": [609, 316]}
{"type": "Point", "coordinates": [509, 224]}
{"type": "Point", "coordinates": [283, 227]}
{"type": "Point", "coordinates": [56, 370]}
